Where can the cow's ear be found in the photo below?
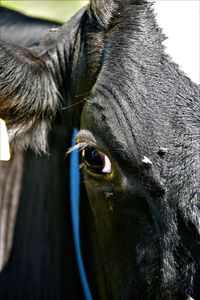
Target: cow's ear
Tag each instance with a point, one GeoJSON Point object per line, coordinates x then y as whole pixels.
{"type": "Point", "coordinates": [28, 96]}
{"type": "Point", "coordinates": [103, 11]}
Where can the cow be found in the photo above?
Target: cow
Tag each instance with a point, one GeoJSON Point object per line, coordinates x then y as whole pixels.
{"type": "Point", "coordinates": [106, 72]}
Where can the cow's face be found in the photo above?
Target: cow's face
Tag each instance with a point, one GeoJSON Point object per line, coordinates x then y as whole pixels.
{"type": "Point", "coordinates": [122, 164]}
{"type": "Point", "coordinates": [128, 133]}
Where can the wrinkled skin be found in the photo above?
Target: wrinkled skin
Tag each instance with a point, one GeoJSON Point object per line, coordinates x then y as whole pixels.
{"type": "Point", "coordinates": [140, 223]}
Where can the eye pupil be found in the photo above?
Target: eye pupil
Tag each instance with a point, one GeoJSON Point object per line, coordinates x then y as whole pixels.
{"type": "Point", "coordinates": [93, 157]}
{"type": "Point", "coordinates": [94, 160]}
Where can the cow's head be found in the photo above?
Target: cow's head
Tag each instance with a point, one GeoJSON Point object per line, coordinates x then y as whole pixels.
{"type": "Point", "coordinates": [139, 134]}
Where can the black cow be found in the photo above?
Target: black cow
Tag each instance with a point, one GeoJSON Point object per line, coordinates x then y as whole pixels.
{"type": "Point", "coordinates": [139, 140]}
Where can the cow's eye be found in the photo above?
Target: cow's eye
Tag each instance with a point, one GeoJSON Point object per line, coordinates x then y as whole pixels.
{"type": "Point", "coordinates": [96, 161]}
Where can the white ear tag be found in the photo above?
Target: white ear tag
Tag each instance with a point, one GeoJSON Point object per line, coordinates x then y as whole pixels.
{"type": "Point", "coordinates": [4, 142]}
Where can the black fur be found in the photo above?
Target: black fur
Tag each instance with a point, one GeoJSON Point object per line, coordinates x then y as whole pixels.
{"type": "Point", "coordinates": [141, 225]}
{"type": "Point", "coordinates": [140, 103]}
{"type": "Point", "coordinates": [34, 189]}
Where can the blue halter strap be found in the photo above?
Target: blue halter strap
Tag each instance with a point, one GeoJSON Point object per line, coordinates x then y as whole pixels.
{"type": "Point", "coordinates": [75, 200]}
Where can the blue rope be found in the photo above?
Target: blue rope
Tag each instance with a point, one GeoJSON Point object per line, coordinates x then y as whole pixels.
{"type": "Point", "coordinates": [75, 200]}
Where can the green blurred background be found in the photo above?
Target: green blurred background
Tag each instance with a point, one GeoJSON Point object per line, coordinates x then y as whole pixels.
{"type": "Point", "coordinates": [53, 10]}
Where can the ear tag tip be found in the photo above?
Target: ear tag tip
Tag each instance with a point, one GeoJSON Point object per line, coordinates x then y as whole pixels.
{"type": "Point", "coordinates": [4, 142]}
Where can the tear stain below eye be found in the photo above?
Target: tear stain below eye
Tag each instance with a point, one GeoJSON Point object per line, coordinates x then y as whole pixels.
{"type": "Point", "coordinates": [108, 195]}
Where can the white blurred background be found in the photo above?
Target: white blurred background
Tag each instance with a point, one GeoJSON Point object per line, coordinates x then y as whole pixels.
{"type": "Point", "coordinates": [180, 20]}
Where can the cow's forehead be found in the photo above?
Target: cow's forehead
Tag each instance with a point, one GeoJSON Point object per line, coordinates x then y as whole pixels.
{"type": "Point", "coordinates": [135, 105]}
{"type": "Point", "coordinates": [123, 122]}
{"type": "Point", "coordinates": [132, 99]}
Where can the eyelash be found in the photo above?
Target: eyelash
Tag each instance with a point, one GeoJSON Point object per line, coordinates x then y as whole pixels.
{"type": "Point", "coordinates": [78, 146]}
